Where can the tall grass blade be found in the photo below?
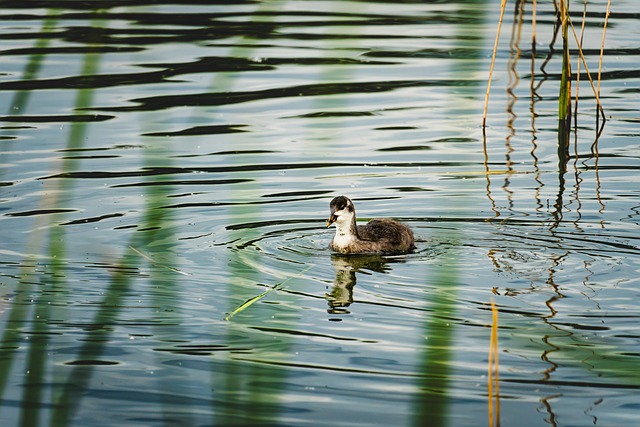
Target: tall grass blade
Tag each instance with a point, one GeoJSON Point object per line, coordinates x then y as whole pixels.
{"type": "Point", "coordinates": [152, 261]}
{"type": "Point", "coordinates": [252, 300]}
{"type": "Point", "coordinates": [493, 385]}
{"type": "Point", "coordinates": [580, 44]}
{"type": "Point", "coordinates": [564, 97]}
{"type": "Point", "coordinates": [493, 63]}
{"type": "Point", "coordinates": [604, 33]}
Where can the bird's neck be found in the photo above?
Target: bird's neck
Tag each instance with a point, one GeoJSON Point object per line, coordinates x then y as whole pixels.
{"type": "Point", "coordinates": [347, 230]}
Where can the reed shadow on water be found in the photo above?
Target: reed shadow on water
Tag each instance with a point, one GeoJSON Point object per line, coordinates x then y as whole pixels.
{"type": "Point", "coordinates": [231, 120]}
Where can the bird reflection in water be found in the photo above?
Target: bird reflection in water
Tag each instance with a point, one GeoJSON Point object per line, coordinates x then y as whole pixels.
{"type": "Point", "coordinates": [340, 296]}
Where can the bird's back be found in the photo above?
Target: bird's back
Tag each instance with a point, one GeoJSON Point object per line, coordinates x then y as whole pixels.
{"type": "Point", "coordinates": [386, 235]}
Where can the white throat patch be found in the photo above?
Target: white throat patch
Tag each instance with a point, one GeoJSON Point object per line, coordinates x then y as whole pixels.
{"type": "Point", "coordinates": [342, 237]}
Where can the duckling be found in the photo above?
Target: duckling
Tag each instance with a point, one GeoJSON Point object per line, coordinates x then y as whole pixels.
{"type": "Point", "coordinates": [377, 236]}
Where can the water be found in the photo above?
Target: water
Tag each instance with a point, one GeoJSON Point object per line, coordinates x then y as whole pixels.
{"type": "Point", "coordinates": [165, 181]}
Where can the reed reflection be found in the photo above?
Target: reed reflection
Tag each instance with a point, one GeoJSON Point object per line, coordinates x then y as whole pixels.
{"type": "Point", "coordinates": [548, 339]}
{"type": "Point", "coordinates": [556, 205]}
{"type": "Point", "coordinates": [559, 332]}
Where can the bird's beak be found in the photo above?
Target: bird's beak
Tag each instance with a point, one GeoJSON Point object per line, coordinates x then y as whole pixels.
{"type": "Point", "coordinates": [332, 218]}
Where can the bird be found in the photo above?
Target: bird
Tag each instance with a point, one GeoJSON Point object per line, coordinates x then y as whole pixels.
{"type": "Point", "coordinates": [380, 235]}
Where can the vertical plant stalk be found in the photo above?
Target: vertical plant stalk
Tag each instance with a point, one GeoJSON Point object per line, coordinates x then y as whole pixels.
{"type": "Point", "coordinates": [18, 317]}
{"type": "Point", "coordinates": [604, 33]}
{"type": "Point", "coordinates": [586, 70]}
{"type": "Point", "coordinates": [493, 386]}
{"type": "Point", "coordinates": [580, 44]}
{"type": "Point", "coordinates": [564, 97]}
{"type": "Point", "coordinates": [533, 47]}
{"type": "Point", "coordinates": [493, 63]}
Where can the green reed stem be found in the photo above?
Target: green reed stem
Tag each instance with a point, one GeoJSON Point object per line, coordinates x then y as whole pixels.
{"type": "Point", "coordinates": [250, 301]}
{"type": "Point", "coordinates": [564, 97]}
{"type": "Point", "coordinates": [152, 261]}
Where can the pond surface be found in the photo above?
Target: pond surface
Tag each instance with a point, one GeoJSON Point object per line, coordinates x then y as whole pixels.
{"type": "Point", "coordinates": [166, 171]}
